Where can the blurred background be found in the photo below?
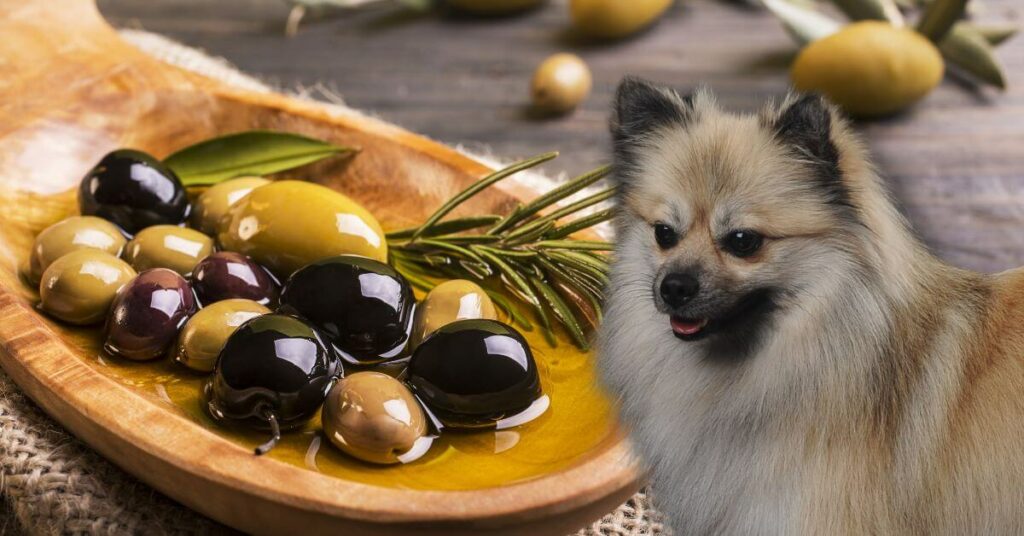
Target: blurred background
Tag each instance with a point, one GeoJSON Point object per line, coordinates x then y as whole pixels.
{"type": "Point", "coordinates": [954, 157]}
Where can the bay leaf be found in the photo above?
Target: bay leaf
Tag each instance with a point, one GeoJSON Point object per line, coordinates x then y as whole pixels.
{"type": "Point", "coordinates": [254, 152]}
{"type": "Point", "coordinates": [804, 24]}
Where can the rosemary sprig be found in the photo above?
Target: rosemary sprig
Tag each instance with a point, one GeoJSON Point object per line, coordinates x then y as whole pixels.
{"type": "Point", "coordinates": [526, 258]}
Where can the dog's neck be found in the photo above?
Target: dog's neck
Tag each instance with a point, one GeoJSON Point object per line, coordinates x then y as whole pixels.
{"type": "Point", "coordinates": [878, 328]}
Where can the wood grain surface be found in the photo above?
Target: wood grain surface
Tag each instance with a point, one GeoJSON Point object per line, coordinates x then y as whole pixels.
{"type": "Point", "coordinates": [955, 162]}
{"type": "Point", "coordinates": [76, 91]}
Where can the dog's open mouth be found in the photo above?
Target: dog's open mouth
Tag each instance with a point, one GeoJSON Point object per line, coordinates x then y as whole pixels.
{"type": "Point", "coordinates": [742, 320]}
{"type": "Point", "coordinates": [688, 329]}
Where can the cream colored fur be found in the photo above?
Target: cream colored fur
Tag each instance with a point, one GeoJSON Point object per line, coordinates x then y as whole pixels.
{"type": "Point", "coordinates": [887, 396]}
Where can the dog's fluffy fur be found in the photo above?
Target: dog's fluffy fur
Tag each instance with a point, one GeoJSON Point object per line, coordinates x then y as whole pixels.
{"type": "Point", "coordinates": [854, 383]}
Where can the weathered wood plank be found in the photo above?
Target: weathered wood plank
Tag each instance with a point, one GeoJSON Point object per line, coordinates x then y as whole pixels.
{"type": "Point", "coordinates": [956, 161]}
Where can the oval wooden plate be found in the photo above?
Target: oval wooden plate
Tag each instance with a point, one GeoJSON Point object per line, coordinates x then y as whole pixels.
{"type": "Point", "coordinates": [73, 90]}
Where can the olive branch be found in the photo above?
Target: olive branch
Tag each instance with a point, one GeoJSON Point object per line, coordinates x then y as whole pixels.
{"type": "Point", "coordinates": [529, 255]}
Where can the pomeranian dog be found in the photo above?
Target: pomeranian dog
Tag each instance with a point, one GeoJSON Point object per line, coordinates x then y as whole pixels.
{"type": "Point", "coordinates": [789, 357]}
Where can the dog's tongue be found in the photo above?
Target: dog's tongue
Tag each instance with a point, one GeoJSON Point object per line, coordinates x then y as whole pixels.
{"type": "Point", "coordinates": [685, 326]}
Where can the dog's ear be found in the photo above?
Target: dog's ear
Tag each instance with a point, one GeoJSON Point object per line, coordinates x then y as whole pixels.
{"type": "Point", "coordinates": [640, 108]}
{"type": "Point", "coordinates": [805, 125]}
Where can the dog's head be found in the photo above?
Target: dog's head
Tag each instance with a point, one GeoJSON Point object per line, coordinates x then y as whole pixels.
{"type": "Point", "coordinates": [728, 217]}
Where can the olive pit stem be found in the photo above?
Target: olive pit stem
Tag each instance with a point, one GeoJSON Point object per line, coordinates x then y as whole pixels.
{"type": "Point", "coordinates": [275, 431]}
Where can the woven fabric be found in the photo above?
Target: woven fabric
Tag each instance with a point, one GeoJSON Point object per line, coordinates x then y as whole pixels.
{"type": "Point", "coordinates": [54, 484]}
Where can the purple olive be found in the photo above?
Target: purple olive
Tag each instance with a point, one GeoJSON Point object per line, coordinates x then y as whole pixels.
{"type": "Point", "coordinates": [147, 313]}
{"type": "Point", "coordinates": [227, 275]}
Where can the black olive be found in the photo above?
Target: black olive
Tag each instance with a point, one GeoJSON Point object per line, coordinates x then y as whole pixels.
{"type": "Point", "coordinates": [474, 373]}
{"type": "Point", "coordinates": [147, 313]}
{"type": "Point", "coordinates": [364, 307]}
{"type": "Point", "coordinates": [273, 374]}
{"type": "Point", "coordinates": [133, 190]}
{"type": "Point", "coordinates": [228, 275]}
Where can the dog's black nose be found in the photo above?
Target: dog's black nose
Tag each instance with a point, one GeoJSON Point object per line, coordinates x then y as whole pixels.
{"type": "Point", "coordinates": [677, 289]}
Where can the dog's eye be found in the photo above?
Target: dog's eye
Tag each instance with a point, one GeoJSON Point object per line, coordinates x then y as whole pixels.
{"type": "Point", "coordinates": [665, 235]}
{"type": "Point", "coordinates": [742, 243]}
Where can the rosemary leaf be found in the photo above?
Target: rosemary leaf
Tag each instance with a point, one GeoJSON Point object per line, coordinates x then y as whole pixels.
{"type": "Point", "coordinates": [562, 312]}
{"type": "Point", "coordinates": [582, 223]}
{"type": "Point", "coordinates": [562, 212]}
{"type": "Point", "coordinates": [588, 309]}
{"type": "Point", "coordinates": [513, 312]}
{"type": "Point", "coordinates": [469, 239]}
{"type": "Point", "coordinates": [580, 263]}
{"type": "Point", "coordinates": [529, 233]}
{"type": "Point", "coordinates": [554, 196]}
{"type": "Point", "coordinates": [457, 225]}
{"type": "Point", "coordinates": [508, 252]}
{"type": "Point", "coordinates": [477, 269]}
{"type": "Point", "coordinates": [592, 245]}
{"type": "Point", "coordinates": [413, 278]}
{"type": "Point", "coordinates": [479, 186]}
{"type": "Point", "coordinates": [465, 252]}
{"type": "Point", "coordinates": [515, 279]}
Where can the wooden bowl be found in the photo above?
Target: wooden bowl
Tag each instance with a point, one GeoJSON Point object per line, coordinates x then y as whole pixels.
{"type": "Point", "coordinates": [74, 90]}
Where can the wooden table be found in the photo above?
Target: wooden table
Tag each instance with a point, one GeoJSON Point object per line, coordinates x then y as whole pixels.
{"type": "Point", "coordinates": [955, 162]}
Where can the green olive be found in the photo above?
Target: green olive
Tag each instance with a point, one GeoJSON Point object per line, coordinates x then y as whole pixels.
{"type": "Point", "coordinates": [215, 202]}
{"type": "Point", "coordinates": [203, 337]}
{"type": "Point", "coordinates": [612, 19]}
{"type": "Point", "coordinates": [72, 234]}
{"type": "Point", "coordinates": [168, 246]}
{"type": "Point", "coordinates": [458, 299]}
{"type": "Point", "coordinates": [560, 83]}
{"type": "Point", "coordinates": [79, 287]}
{"type": "Point", "coordinates": [286, 225]}
{"type": "Point", "coordinates": [375, 418]}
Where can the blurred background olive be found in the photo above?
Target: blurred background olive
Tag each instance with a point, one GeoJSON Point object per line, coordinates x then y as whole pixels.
{"type": "Point", "coordinates": [133, 190]}
{"type": "Point", "coordinates": [215, 202]}
{"type": "Point", "coordinates": [613, 19]}
{"type": "Point", "coordinates": [147, 314]}
{"type": "Point", "coordinates": [374, 418]}
{"type": "Point", "coordinates": [168, 246]}
{"type": "Point", "coordinates": [560, 83]}
{"type": "Point", "coordinates": [286, 225]}
{"type": "Point", "coordinates": [72, 234]}
{"type": "Point", "coordinates": [226, 274]}
{"type": "Point", "coordinates": [79, 287]}
{"type": "Point", "coordinates": [458, 299]}
{"type": "Point", "coordinates": [870, 68]}
{"type": "Point", "coordinates": [205, 334]}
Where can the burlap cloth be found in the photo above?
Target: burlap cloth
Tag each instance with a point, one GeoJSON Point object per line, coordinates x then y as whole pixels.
{"type": "Point", "coordinates": [53, 484]}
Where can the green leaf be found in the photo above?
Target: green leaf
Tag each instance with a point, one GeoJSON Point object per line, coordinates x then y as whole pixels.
{"type": "Point", "coordinates": [993, 33]}
{"type": "Point", "coordinates": [939, 18]}
{"type": "Point", "coordinates": [871, 10]}
{"type": "Point", "coordinates": [254, 152]}
{"type": "Point", "coordinates": [804, 24]}
{"type": "Point", "coordinates": [965, 48]}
